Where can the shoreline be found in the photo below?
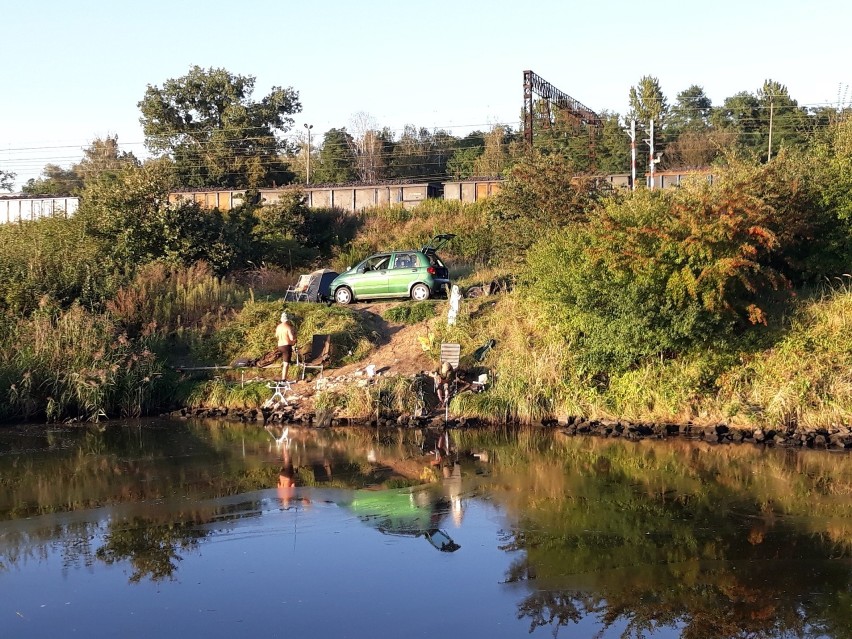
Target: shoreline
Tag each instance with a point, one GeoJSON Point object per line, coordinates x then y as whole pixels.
{"type": "Point", "coordinates": [836, 438]}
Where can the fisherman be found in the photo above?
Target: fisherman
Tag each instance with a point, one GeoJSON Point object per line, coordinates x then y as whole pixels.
{"type": "Point", "coordinates": [286, 336]}
{"type": "Point", "coordinates": [442, 378]}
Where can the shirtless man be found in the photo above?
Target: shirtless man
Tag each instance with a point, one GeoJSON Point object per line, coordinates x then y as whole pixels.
{"type": "Point", "coordinates": [286, 336]}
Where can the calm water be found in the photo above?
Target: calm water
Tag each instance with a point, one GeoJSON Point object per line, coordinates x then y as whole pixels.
{"type": "Point", "coordinates": [181, 529]}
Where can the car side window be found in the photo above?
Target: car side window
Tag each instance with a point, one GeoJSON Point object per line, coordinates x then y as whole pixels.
{"type": "Point", "coordinates": [376, 263]}
{"type": "Point", "coordinates": [404, 260]}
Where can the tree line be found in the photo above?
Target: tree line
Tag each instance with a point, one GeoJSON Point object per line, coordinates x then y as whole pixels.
{"type": "Point", "coordinates": [212, 132]}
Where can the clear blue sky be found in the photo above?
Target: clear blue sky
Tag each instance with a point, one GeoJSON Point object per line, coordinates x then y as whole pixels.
{"type": "Point", "coordinates": [73, 71]}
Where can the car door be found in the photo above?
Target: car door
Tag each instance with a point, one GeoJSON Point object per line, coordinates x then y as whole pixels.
{"type": "Point", "coordinates": [371, 278]}
{"type": "Point", "coordinates": [404, 272]}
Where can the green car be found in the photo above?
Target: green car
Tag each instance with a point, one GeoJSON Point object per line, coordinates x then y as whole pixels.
{"type": "Point", "coordinates": [418, 274]}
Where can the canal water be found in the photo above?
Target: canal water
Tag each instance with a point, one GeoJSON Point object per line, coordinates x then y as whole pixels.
{"type": "Point", "coordinates": [214, 529]}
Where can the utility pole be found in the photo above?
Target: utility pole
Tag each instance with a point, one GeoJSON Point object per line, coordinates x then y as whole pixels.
{"type": "Point", "coordinates": [771, 108]}
{"type": "Point", "coordinates": [632, 134]}
{"type": "Point", "coordinates": [308, 168]}
{"type": "Point", "coordinates": [651, 161]}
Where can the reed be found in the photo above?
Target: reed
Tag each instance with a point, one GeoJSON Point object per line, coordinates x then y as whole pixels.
{"type": "Point", "coordinates": [162, 299]}
{"type": "Point", "coordinates": [58, 364]}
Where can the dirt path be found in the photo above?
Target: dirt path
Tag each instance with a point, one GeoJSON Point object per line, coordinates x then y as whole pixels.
{"type": "Point", "coordinates": [398, 351]}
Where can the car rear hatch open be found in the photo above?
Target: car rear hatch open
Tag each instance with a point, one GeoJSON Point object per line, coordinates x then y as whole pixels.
{"type": "Point", "coordinates": [437, 242]}
{"type": "Point", "coordinates": [442, 273]}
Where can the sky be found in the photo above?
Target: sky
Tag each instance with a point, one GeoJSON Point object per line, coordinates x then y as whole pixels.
{"type": "Point", "coordinates": [74, 71]}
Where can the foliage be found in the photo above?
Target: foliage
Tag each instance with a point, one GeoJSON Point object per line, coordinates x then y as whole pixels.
{"type": "Point", "coordinates": [102, 156]}
{"type": "Point", "coordinates": [251, 333]}
{"type": "Point", "coordinates": [7, 179]}
{"type": "Point", "coordinates": [57, 364]}
{"type": "Point", "coordinates": [54, 181]}
{"type": "Point", "coordinates": [647, 101]}
{"type": "Point", "coordinates": [215, 132]}
{"type": "Point", "coordinates": [805, 378]}
{"type": "Point", "coordinates": [54, 258]}
{"type": "Point", "coordinates": [393, 227]}
{"type": "Point", "coordinates": [539, 195]}
{"type": "Point", "coordinates": [336, 161]}
{"type": "Point", "coordinates": [163, 299]}
{"type": "Point", "coordinates": [662, 271]}
{"type": "Point", "coordinates": [410, 312]}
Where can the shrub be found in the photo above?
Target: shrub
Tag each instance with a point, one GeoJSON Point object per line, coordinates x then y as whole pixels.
{"type": "Point", "coordinates": [659, 272]}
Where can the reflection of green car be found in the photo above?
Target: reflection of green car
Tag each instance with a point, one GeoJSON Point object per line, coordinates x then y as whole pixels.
{"type": "Point", "coordinates": [418, 274]}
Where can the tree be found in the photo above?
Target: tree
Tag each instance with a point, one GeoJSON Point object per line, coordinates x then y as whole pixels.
{"type": "Point", "coordinates": [739, 115]}
{"type": "Point", "coordinates": [367, 147]}
{"type": "Point", "coordinates": [789, 122]}
{"type": "Point", "coordinates": [612, 146]}
{"type": "Point", "coordinates": [6, 180]}
{"type": "Point", "coordinates": [54, 181]}
{"type": "Point", "coordinates": [691, 112]}
{"type": "Point", "coordinates": [336, 162]}
{"type": "Point", "coordinates": [207, 122]}
{"type": "Point", "coordinates": [647, 102]}
{"type": "Point", "coordinates": [495, 157]}
{"type": "Point", "coordinates": [103, 155]}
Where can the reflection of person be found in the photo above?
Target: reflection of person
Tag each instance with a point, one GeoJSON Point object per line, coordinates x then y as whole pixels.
{"type": "Point", "coordinates": [287, 475]}
{"type": "Point", "coordinates": [286, 336]}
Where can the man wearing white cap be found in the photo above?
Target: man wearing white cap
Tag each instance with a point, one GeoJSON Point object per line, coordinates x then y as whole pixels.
{"type": "Point", "coordinates": [286, 336]}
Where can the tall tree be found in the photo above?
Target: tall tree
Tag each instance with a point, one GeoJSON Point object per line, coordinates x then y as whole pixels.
{"type": "Point", "coordinates": [336, 162]}
{"type": "Point", "coordinates": [647, 102]}
{"type": "Point", "coordinates": [368, 146]}
{"type": "Point", "coordinates": [691, 111]}
{"type": "Point", "coordinates": [790, 123]}
{"type": "Point", "coordinates": [215, 132]}
{"type": "Point", "coordinates": [495, 157]}
{"type": "Point", "coordinates": [612, 146]}
{"type": "Point", "coordinates": [739, 116]}
{"type": "Point", "coordinates": [103, 155]}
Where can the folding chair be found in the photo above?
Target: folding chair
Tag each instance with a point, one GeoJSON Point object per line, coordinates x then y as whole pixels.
{"type": "Point", "coordinates": [450, 354]}
{"type": "Point", "coordinates": [319, 355]}
{"type": "Point", "coordinates": [299, 291]}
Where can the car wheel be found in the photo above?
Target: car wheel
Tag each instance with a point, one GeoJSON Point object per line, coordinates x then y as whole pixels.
{"type": "Point", "coordinates": [343, 295]}
{"type": "Point", "coordinates": [420, 292]}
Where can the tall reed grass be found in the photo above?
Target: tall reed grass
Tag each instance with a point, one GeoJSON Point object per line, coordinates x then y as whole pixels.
{"type": "Point", "coordinates": [162, 298]}
{"type": "Point", "coordinates": [58, 364]}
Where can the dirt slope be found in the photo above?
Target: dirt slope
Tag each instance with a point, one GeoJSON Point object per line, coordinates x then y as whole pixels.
{"type": "Point", "coordinates": [399, 350]}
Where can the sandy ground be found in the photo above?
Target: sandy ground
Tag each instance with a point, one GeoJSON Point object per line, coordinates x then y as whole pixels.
{"type": "Point", "coordinates": [399, 351]}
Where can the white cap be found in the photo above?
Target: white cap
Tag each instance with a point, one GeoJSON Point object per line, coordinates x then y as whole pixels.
{"type": "Point", "coordinates": [284, 317]}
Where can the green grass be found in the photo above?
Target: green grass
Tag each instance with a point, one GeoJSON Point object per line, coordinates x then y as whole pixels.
{"type": "Point", "coordinates": [410, 312]}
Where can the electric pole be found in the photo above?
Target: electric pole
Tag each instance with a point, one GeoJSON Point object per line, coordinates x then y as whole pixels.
{"type": "Point", "coordinates": [308, 167]}
{"type": "Point", "coordinates": [632, 134]}
{"type": "Point", "coordinates": [651, 161]}
{"type": "Point", "coordinates": [771, 105]}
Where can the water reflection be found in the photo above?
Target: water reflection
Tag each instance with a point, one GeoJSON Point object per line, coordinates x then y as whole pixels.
{"type": "Point", "coordinates": [629, 539]}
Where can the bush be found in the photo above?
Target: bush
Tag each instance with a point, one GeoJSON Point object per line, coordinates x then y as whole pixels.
{"type": "Point", "coordinates": [660, 272]}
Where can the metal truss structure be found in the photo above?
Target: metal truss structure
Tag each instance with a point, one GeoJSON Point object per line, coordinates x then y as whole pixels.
{"type": "Point", "coordinates": [534, 84]}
